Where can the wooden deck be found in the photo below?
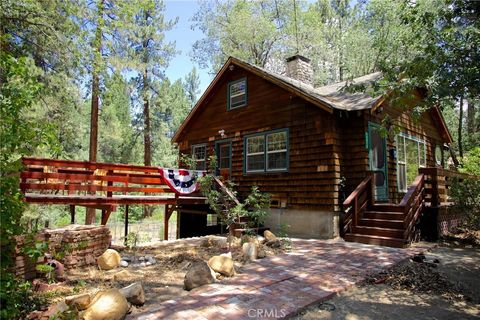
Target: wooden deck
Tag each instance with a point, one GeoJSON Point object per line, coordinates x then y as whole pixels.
{"type": "Point", "coordinates": [101, 186]}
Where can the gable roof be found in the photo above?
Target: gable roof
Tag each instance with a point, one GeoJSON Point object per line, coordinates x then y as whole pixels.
{"type": "Point", "coordinates": [328, 98]}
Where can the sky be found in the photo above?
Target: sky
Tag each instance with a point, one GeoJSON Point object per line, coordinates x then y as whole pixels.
{"type": "Point", "coordinates": [184, 37]}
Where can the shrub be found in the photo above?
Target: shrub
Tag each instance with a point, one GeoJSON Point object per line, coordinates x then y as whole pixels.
{"type": "Point", "coordinates": [466, 196]}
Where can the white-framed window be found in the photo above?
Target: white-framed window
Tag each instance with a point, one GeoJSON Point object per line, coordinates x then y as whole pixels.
{"type": "Point", "coordinates": [199, 153]}
{"type": "Point", "coordinates": [237, 94]}
{"type": "Point", "coordinates": [411, 155]}
{"type": "Point", "coordinates": [267, 151]}
{"type": "Point", "coordinates": [212, 219]}
{"type": "Point", "coordinates": [255, 151]}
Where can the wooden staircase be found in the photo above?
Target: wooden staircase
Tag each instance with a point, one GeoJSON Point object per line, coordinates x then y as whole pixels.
{"type": "Point", "coordinates": [391, 225]}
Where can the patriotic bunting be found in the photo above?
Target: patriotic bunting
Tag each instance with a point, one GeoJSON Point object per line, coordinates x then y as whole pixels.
{"type": "Point", "coordinates": [182, 181]}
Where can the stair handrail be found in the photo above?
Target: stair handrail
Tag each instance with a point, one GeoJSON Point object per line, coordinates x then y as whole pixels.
{"type": "Point", "coordinates": [353, 204]}
{"type": "Point", "coordinates": [412, 205]}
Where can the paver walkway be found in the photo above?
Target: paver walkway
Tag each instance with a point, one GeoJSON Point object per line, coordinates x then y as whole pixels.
{"type": "Point", "coordinates": [279, 286]}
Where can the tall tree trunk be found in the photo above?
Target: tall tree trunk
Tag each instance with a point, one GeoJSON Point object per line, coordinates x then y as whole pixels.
{"type": "Point", "coordinates": [147, 154]}
{"type": "Point", "coordinates": [471, 113]}
{"type": "Point", "coordinates": [460, 128]}
{"type": "Point", "coordinates": [97, 61]}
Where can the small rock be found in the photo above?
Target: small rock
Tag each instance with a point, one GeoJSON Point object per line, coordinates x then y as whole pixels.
{"type": "Point", "coordinates": [110, 259]}
{"type": "Point", "coordinates": [143, 264]}
{"type": "Point", "coordinates": [55, 311]}
{"type": "Point", "coordinates": [269, 236]}
{"type": "Point", "coordinates": [436, 261]}
{"type": "Point", "coordinates": [127, 259]}
{"type": "Point", "coordinates": [110, 304]}
{"type": "Point", "coordinates": [250, 251]}
{"type": "Point", "coordinates": [141, 259]}
{"type": "Point", "coordinates": [222, 265]}
{"type": "Point", "coordinates": [122, 275]}
{"type": "Point", "coordinates": [151, 260]}
{"type": "Point", "coordinates": [277, 243]}
{"type": "Point", "coordinates": [134, 294]}
{"type": "Point", "coordinates": [198, 275]}
{"type": "Point", "coordinates": [234, 241]}
{"type": "Point", "coordinates": [418, 258]}
{"type": "Point", "coordinates": [261, 253]}
{"type": "Point", "coordinates": [124, 263]}
{"type": "Point", "coordinates": [79, 301]}
{"type": "Point", "coordinates": [148, 263]}
{"type": "Point", "coordinates": [228, 254]}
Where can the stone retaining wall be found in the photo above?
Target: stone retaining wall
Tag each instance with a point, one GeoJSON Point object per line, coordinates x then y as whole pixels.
{"type": "Point", "coordinates": [74, 246]}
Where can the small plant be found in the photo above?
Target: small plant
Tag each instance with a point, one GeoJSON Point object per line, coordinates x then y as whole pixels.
{"type": "Point", "coordinates": [17, 298]}
{"type": "Point", "coordinates": [283, 230]}
{"type": "Point", "coordinates": [37, 251]}
{"type": "Point", "coordinates": [257, 204]}
{"type": "Point", "coordinates": [79, 286]}
{"type": "Point", "coordinates": [48, 271]}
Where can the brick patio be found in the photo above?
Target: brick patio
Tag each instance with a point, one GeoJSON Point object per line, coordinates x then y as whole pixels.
{"type": "Point", "coordinates": [281, 285]}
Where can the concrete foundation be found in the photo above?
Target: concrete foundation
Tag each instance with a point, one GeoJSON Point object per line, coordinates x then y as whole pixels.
{"type": "Point", "coordinates": [304, 224]}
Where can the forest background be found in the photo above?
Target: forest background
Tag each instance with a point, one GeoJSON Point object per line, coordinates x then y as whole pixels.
{"type": "Point", "coordinates": [64, 62]}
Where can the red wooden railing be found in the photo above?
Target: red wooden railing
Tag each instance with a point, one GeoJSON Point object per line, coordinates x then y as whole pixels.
{"type": "Point", "coordinates": [50, 175]}
{"type": "Point", "coordinates": [356, 203]}
{"type": "Point", "coordinates": [412, 206]}
{"type": "Point", "coordinates": [438, 182]}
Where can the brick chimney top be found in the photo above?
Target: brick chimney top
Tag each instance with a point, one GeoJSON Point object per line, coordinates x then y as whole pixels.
{"type": "Point", "coordinates": [300, 68]}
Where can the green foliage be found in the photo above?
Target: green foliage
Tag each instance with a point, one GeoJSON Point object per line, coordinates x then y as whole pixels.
{"type": "Point", "coordinates": [37, 251]}
{"type": "Point", "coordinates": [48, 271]}
{"type": "Point", "coordinates": [466, 196]}
{"type": "Point", "coordinates": [471, 162]}
{"type": "Point", "coordinates": [257, 204]}
{"type": "Point", "coordinates": [17, 298]}
{"type": "Point", "coordinates": [20, 136]}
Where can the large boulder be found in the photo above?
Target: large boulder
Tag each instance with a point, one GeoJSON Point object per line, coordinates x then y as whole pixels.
{"type": "Point", "coordinates": [107, 305]}
{"type": "Point", "coordinates": [269, 236]}
{"type": "Point", "coordinates": [110, 259]}
{"type": "Point", "coordinates": [79, 301]}
{"type": "Point", "coordinates": [222, 264]}
{"type": "Point", "coordinates": [134, 294]}
{"type": "Point", "coordinates": [123, 275]}
{"type": "Point", "coordinates": [250, 251]}
{"type": "Point", "coordinates": [198, 275]}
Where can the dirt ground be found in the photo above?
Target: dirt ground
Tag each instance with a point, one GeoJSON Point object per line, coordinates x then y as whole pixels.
{"type": "Point", "coordinates": [402, 293]}
{"type": "Point", "coordinates": [161, 281]}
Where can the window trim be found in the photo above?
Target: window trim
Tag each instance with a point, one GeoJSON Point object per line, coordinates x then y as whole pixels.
{"type": "Point", "coordinates": [229, 100]}
{"type": "Point", "coordinates": [265, 152]}
{"type": "Point", "coordinates": [193, 154]}
{"type": "Point", "coordinates": [404, 163]}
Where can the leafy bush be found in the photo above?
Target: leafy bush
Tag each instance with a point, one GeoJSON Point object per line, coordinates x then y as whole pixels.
{"type": "Point", "coordinates": [17, 298]}
{"type": "Point", "coordinates": [466, 196]}
{"type": "Point", "coordinates": [471, 162]}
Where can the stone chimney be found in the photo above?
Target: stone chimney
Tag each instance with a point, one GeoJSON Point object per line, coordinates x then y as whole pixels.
{"type": "Point", "coordinates": [299, 68]}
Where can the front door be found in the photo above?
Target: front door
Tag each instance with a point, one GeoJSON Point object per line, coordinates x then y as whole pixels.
{"type": "Point", "coordinates": [224, 158]}
{"type": "Point", "coordinates": [377, 155]}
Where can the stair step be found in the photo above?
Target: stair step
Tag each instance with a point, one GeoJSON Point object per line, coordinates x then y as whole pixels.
{"type": "Point", "coordinates": [378, 231]}
{"type": "Point", "coordinates": [378, 240]}
{"type": "Point", "coordinates": [371, 214]}
{"type": "Point", "coordinates": [382, 223]}
{"type": "Point", "coordinates": [386, 207]}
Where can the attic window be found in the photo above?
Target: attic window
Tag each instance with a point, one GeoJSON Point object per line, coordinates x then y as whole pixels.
{"type": "Point", "coordinates": [237, 94]}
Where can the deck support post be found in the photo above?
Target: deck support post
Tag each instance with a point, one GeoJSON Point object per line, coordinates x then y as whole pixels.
{"type": "Point", "coordinates": [166, 217]}
{"type": "Point", "coordinates": [168, 213]}
{"type": "Point", "coordinates": [72, 214]}
{"type": "Point", "coordinates": [126, 222]}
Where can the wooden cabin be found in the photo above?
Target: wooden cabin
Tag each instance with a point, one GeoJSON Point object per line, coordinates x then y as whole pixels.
{"type": "Point", "coordinates": [311, 147]}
